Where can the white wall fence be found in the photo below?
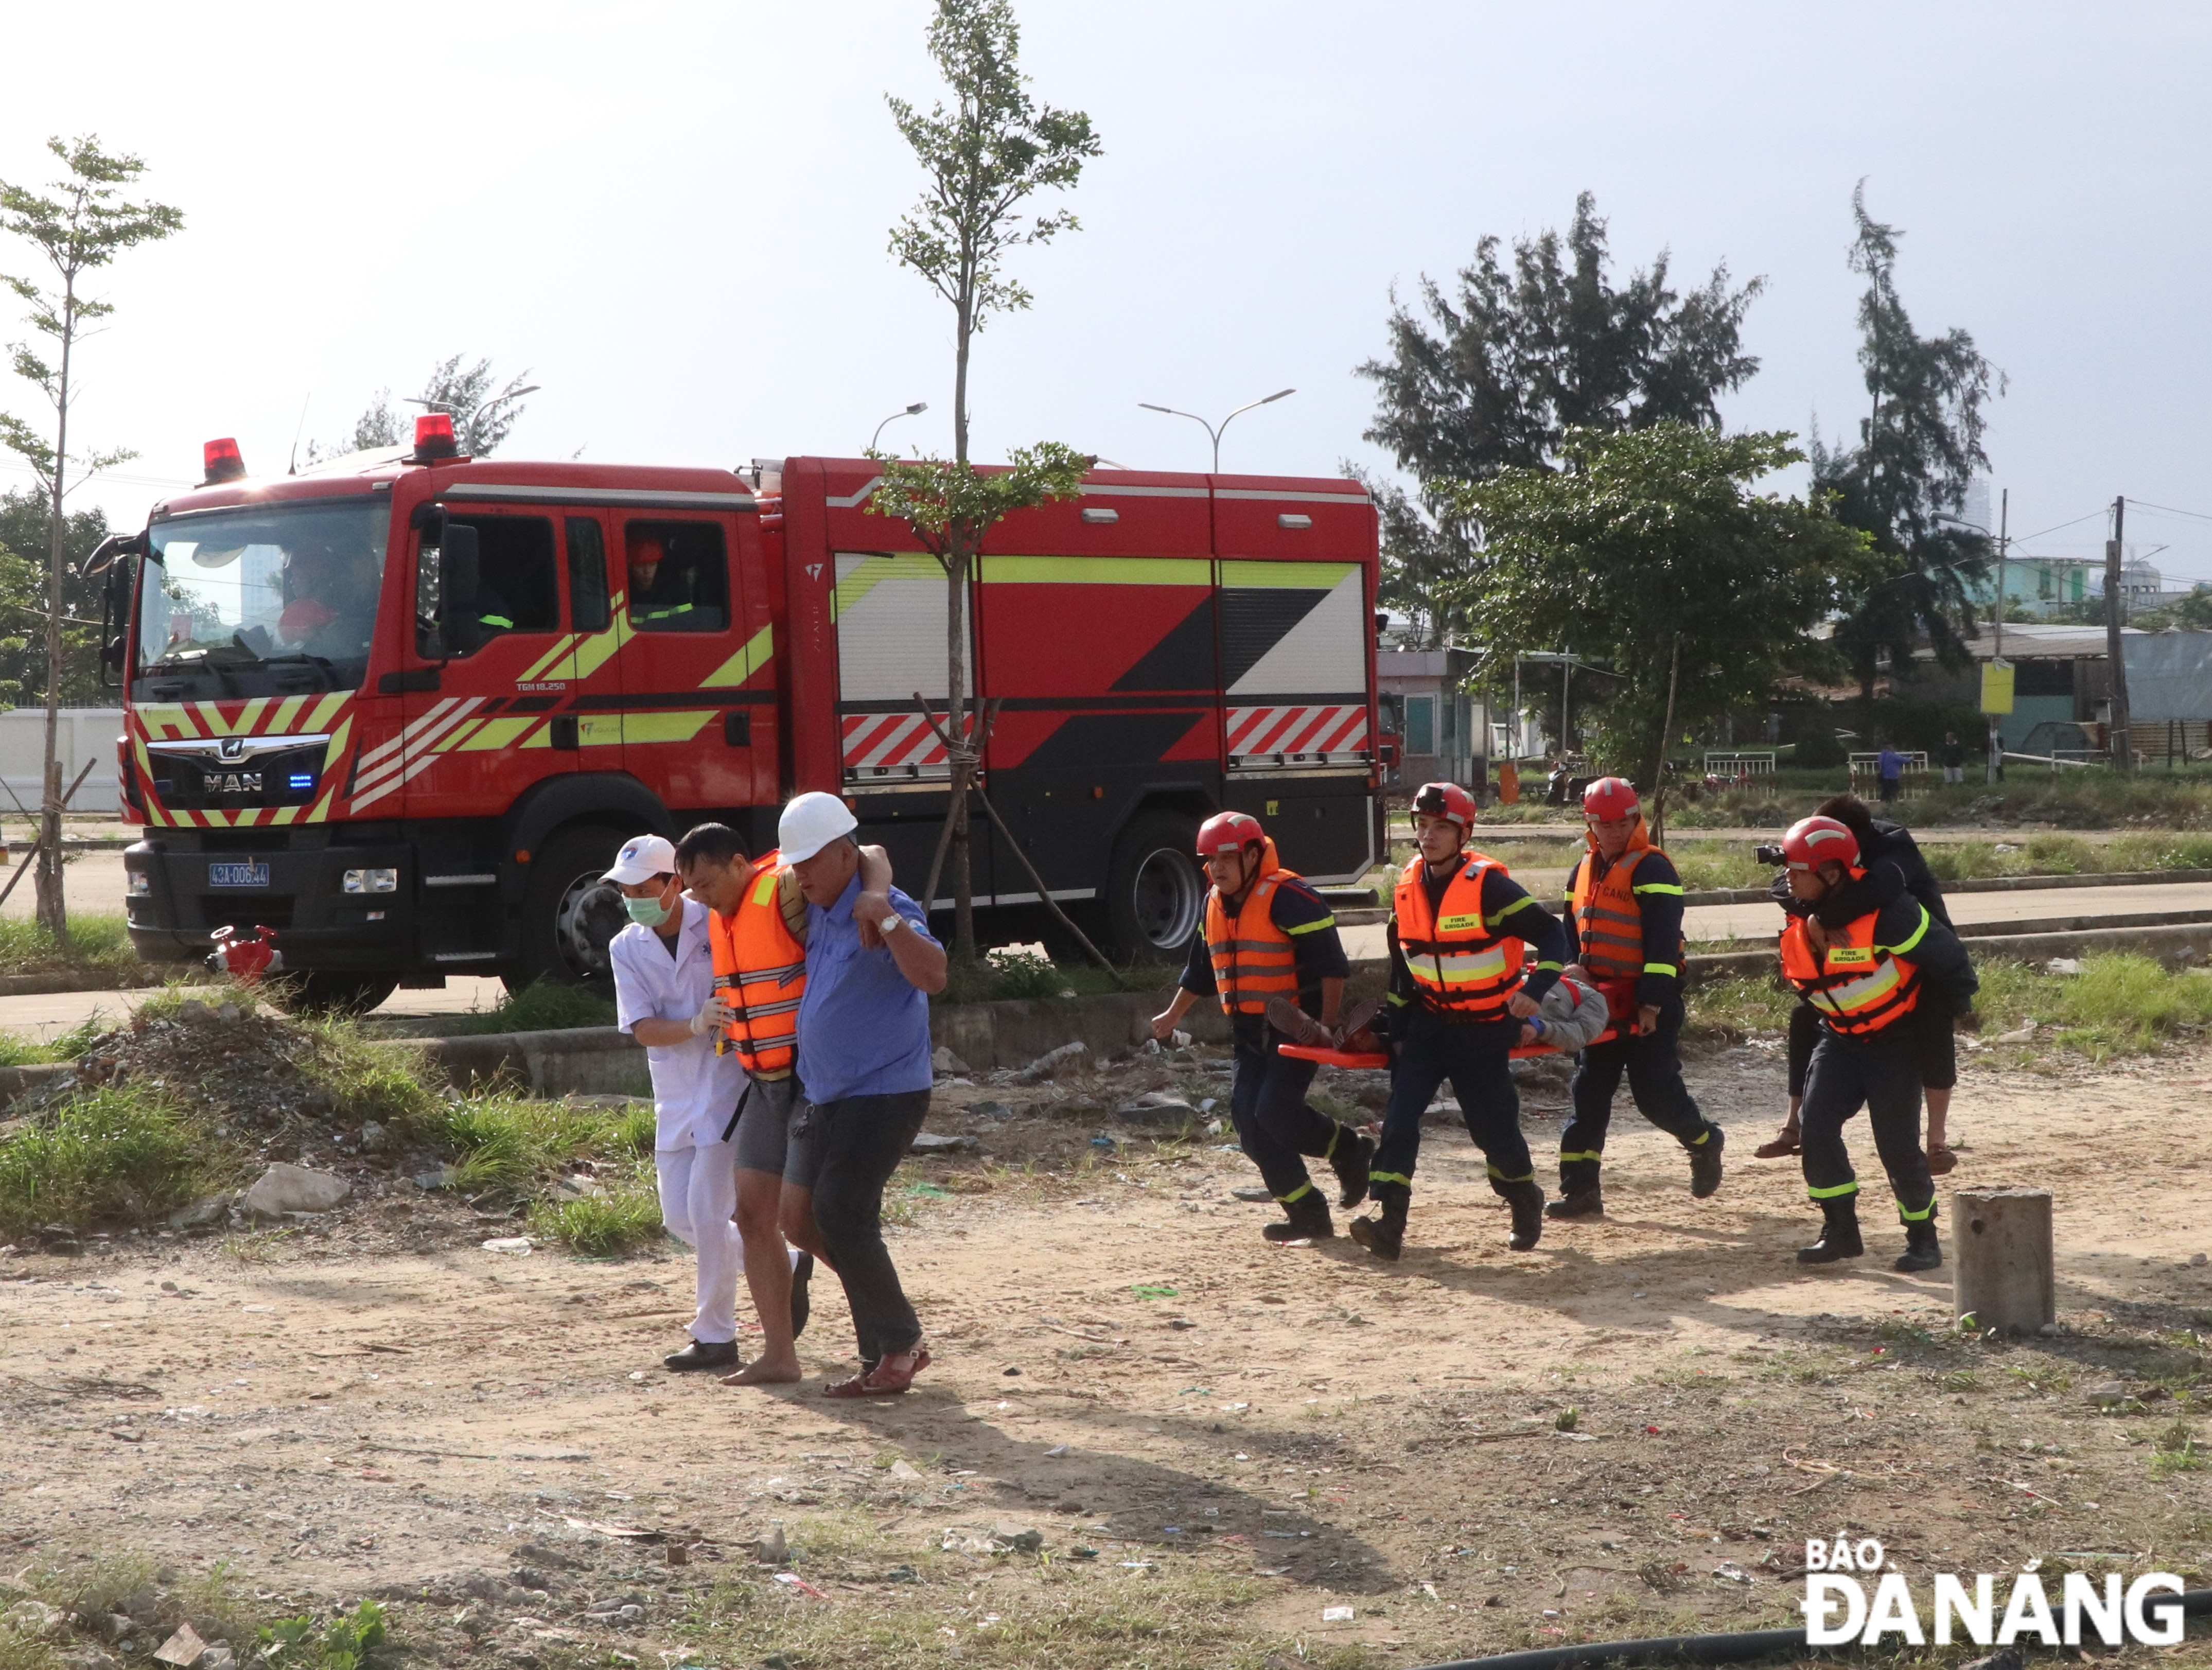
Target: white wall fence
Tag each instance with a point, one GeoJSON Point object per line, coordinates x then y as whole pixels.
{"type": "Point", "coordinates": [87, 735]}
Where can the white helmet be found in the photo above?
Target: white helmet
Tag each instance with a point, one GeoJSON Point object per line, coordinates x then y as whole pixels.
{"type": "Point", "coordinates": [810, 823]}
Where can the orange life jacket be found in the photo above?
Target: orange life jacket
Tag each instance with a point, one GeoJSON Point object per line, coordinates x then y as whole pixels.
{"type": "Point", "coordinates": [1609, 920]}
{"type": "Point", "coordinates": [1462, 966]}
{"type": "Point", "coordinates": [760, 971]}
{"type": "Point", "coordinates": [1252, 959]}
{"type": "Point", "coordinates": [1858, 986]}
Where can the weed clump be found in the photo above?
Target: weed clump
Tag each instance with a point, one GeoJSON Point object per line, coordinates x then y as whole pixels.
{"type": "Point", "coordinates": [118, 1155]}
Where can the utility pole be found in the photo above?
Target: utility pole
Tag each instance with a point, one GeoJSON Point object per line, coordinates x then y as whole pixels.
{"type": "Point", "coordinates": [1997, 721]}
{"type": "Point", "coordinates": [2123, 745]}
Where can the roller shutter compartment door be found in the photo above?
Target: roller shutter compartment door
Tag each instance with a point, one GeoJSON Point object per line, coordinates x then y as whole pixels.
{"type": "Point", "coordinates": [1294, 666]}
{"type": "Point", "coordinates": [889, 611]}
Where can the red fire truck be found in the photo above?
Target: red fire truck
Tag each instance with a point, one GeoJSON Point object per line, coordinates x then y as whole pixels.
{"type": "Point", "coordinates": [404, 707]}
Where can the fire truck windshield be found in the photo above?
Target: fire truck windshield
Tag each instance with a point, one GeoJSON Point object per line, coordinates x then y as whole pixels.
{"type": "Point", "coordinates": [260, 600]}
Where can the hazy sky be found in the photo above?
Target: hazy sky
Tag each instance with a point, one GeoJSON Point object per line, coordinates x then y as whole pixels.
{"type": "Point", "coordinates": [674, 216]}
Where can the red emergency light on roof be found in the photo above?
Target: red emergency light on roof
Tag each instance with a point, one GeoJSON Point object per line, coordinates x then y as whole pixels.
{"type": "Point", "coordinates": [433, 437]}
{"type": "Point", "coordinates": [221, 462]}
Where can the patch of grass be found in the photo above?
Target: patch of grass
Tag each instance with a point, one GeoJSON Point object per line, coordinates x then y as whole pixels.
{"type": "Point", "coordinates": [347, 1642]}
{"type": "Point", "coordinates": [63, 1047]}
{"type": "Point", "coordinates": [627, 1214]}
{"type": "Point", "coordinates": [1004, 975]}
{"type": "Point", "coordinates": [97, 944]}
{"type": "Point", "coordinates": [2176, 1450]}
{"type": "Point", "coordinates": [1738, 1006]}
{"type": "Point", "coordinates": [2118, 1004]}
{"type": "Point", "coordinates": [117, 1155]}
{"type": "Point", "coordinates": [545, 1005]}
{"type": "Point", "coordinates": [511, 1144]}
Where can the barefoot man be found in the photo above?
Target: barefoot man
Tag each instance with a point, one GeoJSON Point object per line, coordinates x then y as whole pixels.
{"type": "Point", "coordinates": [757, 927]}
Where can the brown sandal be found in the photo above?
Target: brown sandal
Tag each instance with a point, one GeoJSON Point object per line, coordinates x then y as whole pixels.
{"type": "Point", "coordinates": [884, 1380]}
{"type": "Point", "coordinates": [1786, 1143]}
{"type": "Point", "coordinates": [1941, 1160]}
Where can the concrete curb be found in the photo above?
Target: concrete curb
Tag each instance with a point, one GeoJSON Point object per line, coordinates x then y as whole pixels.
{"type": "Point", "coordinates": [2174, 945]}
{"type": "Point", "coordinates": [1358, 917]}
{"type": "Point", "coordinates": [604, 1060]}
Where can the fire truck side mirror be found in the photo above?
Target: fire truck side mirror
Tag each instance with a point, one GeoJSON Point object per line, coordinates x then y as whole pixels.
{"type": "Point", "coordinates": [446, 586]}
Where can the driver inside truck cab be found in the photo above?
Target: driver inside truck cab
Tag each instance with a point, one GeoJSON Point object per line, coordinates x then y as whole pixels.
{"type": "Point", "coordinates": [656, 589]}
{"type": "Point", "coordinates": [330, 599]}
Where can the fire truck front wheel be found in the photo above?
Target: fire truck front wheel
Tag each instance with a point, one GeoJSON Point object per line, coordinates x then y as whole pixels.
{"type": "Point", "coordinates": [1155, 891]}
{"type": "Point", "coordinates": [569, 913]}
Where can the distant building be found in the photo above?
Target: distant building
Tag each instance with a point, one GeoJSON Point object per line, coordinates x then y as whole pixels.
{"type": "Point", "coordinates": [1443, 732]}
{"type": "Point", "coordinates": [2041, 584]}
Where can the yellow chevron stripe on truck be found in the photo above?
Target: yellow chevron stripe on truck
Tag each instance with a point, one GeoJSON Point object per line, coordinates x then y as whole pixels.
{"type": "Point", "coordinates": [756, 654]}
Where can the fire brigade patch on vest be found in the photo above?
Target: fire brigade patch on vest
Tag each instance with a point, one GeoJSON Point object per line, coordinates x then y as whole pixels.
{"type": "Point", "coordinates": [1454, 924]}
{"type": "Point", "coordinates": [1843, 956]}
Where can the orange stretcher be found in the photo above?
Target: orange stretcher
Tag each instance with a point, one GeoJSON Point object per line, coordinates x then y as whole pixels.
{"type": "Point", "coordinates": [1373, 1060]}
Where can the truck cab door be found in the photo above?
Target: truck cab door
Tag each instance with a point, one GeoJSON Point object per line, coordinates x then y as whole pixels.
{"type": "Point", "coordinates": [696, 693]}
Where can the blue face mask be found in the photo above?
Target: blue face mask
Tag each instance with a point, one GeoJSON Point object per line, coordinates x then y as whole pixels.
{"type": "Point", "coordinates": [646, 911]}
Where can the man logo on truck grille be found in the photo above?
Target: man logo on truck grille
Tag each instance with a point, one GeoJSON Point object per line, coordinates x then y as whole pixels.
{"type": "Point", "coordinates": [230, 749]}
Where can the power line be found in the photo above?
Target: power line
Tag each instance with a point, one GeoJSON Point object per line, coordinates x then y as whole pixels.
{"type": "Point", "coordinates": [2139, 504]}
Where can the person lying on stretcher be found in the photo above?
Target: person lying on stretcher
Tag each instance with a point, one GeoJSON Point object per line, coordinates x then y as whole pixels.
{"type": "Point", "coordinates": [1572, 1014]}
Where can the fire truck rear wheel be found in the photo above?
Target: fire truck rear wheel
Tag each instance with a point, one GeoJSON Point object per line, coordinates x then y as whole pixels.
{"type": "Point", "coordinates": [569, 913]}
{"type": "Point", "coordinates": [1155, 891]}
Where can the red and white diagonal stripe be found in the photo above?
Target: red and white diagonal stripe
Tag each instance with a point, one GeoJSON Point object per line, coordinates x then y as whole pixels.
{"type": "Point", "coordinates": [1297, 730]}
{"type": "Point", "coordinates": [876, 741]}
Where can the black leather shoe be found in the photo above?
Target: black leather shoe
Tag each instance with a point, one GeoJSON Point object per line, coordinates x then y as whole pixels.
{"type": "Point", "coordinates": [699, 1354]}
{"type": "Point", "coordinates": [802, 1297]}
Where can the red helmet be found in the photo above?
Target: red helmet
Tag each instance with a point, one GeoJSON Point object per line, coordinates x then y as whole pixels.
{"type": "Point", "coordinates": [1813, 841]}
{"type": "Point", "coordinates": [1609, 798]}
{"type": "Point", "coordinates": [1229, 828]}
{"type": "Point", "coordinates": [1446, 800]}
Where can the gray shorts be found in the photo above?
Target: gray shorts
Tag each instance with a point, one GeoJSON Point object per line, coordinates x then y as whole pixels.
{"type": "Point", "coordinates": [764, 1140]}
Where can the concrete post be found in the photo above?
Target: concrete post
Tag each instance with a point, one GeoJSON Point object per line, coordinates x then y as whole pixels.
{"type": "Point", "coordinates": [2003, 1265]}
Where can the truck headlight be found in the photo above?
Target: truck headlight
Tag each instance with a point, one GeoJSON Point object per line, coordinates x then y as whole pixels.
{"type": "Point", "coordinates": [137, 883]}
{"type": "Point", "coordinates": [372, 881]}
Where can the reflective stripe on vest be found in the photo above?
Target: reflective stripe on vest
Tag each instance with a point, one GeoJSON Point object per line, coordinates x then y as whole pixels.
{"type": "Point", "coordinates": [1858, 986]}
{"type": "Point", "coordinates": [760, 971]}
{"type": "Point", "coordinates": [1252, 960]}
{"type": "Point", "coordinates": [1459, 964]}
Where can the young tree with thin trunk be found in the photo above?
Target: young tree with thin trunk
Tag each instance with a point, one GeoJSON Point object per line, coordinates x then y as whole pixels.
{"type": "Point", "coordinates": [82, 226]}
{"type": "Point", "coordinates": [986, 155]}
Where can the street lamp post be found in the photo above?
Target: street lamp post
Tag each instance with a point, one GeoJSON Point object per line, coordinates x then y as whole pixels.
{"type": "Point", "coordinates": [1995, 767]}
{"type": "Point", "coordinates": [914, 411]}
{"type": "Point", "coordinates": [1213, 430]}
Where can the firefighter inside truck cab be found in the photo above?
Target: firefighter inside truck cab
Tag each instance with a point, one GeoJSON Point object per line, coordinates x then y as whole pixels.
{"type": "Point", "coordinates": [330, 598]}
{"type": "Point", "coordinates": [657, 593]}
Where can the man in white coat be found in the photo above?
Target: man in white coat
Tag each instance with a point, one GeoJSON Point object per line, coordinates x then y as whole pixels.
{"type": "Point", "coordinates": [665, 998]}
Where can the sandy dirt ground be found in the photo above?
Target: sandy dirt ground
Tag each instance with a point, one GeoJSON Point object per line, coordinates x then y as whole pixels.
{"type": "Point", "coordinates": [371, 1403]}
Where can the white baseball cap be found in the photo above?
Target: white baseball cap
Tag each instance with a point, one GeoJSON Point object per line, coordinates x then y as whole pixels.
{"type": "Point", "coordinates": [810, 823]}
{"type": "Point", "coordinates": [641, 858]}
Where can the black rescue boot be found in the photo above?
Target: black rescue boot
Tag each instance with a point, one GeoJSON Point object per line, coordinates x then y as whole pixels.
{"type": "Point", "coordinates": [1526, 1200]}
{"type": "Point", "coordinates": [802, 1301]}
{"type": "Point", "coordinates": [1350, 1159]}
{"type": "Point", "coordinates": [1839, 1233]}
{"type": "Point", "coordinates": [1923, 1251]}
{"type": "Point", "coordinates": [1705, 1165]}
{"type": "Point", "coordinates": [1308, 1220]}
{"type": "Point", "coordinates": [1579, 1203]}
{"type": "Point", "coordinates": [1385, 1235]}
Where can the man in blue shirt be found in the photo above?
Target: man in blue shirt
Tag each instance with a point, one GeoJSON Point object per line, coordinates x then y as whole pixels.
{"type": "Point", "coordinates": [864, 1058]}
{"type": "Point", "coordinates": [1889, 766]}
